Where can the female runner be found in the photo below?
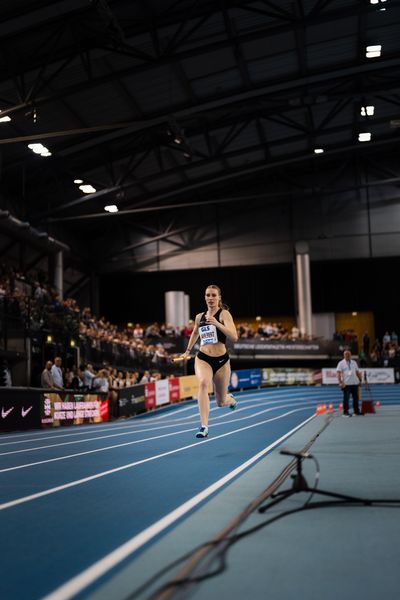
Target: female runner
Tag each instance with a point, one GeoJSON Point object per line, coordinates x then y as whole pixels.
{"type": "Point", "coordinates": [212, 363]}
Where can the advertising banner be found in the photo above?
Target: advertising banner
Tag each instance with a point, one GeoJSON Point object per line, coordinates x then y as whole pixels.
{"type": "Point", "coordinates": [19, 410]}
{"type": "Point", "coordinates": [174, 389]}
{"type": "Point", "coordinates": [150, 395]}
{"type": "Point", "coordinates": [73, 409]}
{"type": "Point", "coordinates": [372, 375]}
{"type": "Point", "coordinates": [131, 400]}
{"type": "Point", "coordinates": [245, 378]}
{"type": "Point", "coordinates": [162, 392]}
{"type": "Point", "coordinates": [290, 349]}
{"type": "Point", "coordinates": [291, 376]}
{"type": "Point", "coordinates": [188, 387]}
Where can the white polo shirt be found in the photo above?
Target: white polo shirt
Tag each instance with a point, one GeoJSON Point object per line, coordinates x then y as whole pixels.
{"type": "Point", "coordinates": [349, 370]}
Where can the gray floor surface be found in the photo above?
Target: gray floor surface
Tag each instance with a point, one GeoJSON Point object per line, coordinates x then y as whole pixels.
{"type": "Point", "coordinates": [337, 552]}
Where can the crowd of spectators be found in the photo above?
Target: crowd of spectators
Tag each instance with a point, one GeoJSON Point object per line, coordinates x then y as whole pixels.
{"type": "Point", "coordinates": [33, 303]}
{"type": "Point", "coordinates": [36, 305]}
{"type": "Point", "coordinates": [86, 379]}
{"type": "Point", "coordinates": [385, 352]}
{"type": "Point", "coordinates": [268, 331]}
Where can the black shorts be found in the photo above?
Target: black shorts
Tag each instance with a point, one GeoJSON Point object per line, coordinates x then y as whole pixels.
{"type": "Point", "coordinates": [215, 362]}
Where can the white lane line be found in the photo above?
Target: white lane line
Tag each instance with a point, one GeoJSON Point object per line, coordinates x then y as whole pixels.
{"type": "Point", "coordinates": [111, 435]}
{"type": "Point", "coordinates": [141, 431]}
{"type": "Point", "coordinates": [98, 569]}
{"type": "Point", "coordinates": [142, 420]}
{"type": "Point", "coordinates": [77, 482]}
{"type": "Point", "coordinates": [104, 448]}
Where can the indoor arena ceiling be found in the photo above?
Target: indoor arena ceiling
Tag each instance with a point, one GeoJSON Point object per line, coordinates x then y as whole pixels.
{"type": "Point", "coordinates": [167, 107]}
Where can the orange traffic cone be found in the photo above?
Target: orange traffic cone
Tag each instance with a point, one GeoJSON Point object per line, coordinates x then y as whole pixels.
{"type": "Point", "coordinates": [331, 407]}
{"type": "Point", "coordinates": [321, 408]}
{"type": "Point", "coordinates": [377, 404]}
{"type": "Point", "coordinates": [341, 406]}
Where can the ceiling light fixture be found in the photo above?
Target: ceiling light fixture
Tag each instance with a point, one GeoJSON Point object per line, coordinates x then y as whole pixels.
{"type": "Point", "coordinates": [4, 119]}
{"type": "Point", "coordinates": [367, 111]}
{"type": "Point", "coordinates": [112, 208]}
{"type": "Point", "coordinates": [78, 181]}
{"type": "Point", "coordinates": [364, 137]}
{"type": "Point", "coordinates": [38, 148]}
{"type": "Point", "coordinates": [318, 150]}
{"type": "Point", "coordinates": [87, 188]}
{"type": "Point", "coordinates": [373, 51]}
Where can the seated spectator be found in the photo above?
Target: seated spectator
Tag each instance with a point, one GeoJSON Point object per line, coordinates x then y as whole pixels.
{"type": "Point", "coordinates": [160, 356]}
{"type": "Point", "coordinates": [5, 374]}
{"type": "Point", "coordinates": [295, 334]}
{"type": "Point", "coordinates": [132, 378]}
{"type": "Point", "coordinates": [100, 382]}
{"type": "Point", "coordinates": [76, 382]}
{"type": "Point", "coordinates": [146, 377]}
{"type": "Point", "coordinates": [119, 381]}
{"type": "Point", "coordinates": [188, 329]}
{"type": "Point", "coordinates": [138, 331]}
{"type": "Point", "coordinates": [153, 331]}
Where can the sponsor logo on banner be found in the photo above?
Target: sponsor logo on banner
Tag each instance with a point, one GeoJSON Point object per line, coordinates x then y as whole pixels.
{"type": "Point", "coordinates": [188, 387]}
{"type": "Point", "coordinates": [73, 409]}
{"type": "Point", "coordinates": [5, 413]}
{"type": "Point", "coordinates": [373, 376]}
{"type": "Point", "coordinates": [162, 392]}
{"type": "Point", "coordinates": [174, 389]}
{"type": "Point", "coordinates": [19, 410]}
{"type": "Point", "coordinates": [245, 378]}
{"type": "Point", "coordinates": [290, 376]}
{"type": "Point", "coordinates": [131, 400]}
{"type": "Point", "coordinates": [150, 395]}
{"type": "Point", "coordinates": [25, 411]}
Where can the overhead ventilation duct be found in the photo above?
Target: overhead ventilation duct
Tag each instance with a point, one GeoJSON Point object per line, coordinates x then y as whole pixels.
{"type": "Point", "coordinates": [23, 231]}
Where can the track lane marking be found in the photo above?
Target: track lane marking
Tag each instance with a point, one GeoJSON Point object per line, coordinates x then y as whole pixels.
{"type": "Point", "coordinates": [98, 569]}
{"type": "Point", "coordinates": [76, 482]}
{"type": "Point", "coordinates": [140, 431]}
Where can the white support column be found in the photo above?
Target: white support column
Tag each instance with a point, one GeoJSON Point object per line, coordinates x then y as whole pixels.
{"type": "Point", "coordinates": [59, 273]}
{"type": "Point", "coordinates": [303, 289]}
{"type": "Point", "coordinates": [187, 308]}
{"type": "Point", "coordinates": [175, 308]}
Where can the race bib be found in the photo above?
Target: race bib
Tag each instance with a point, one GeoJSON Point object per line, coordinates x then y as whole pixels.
{"type": "Point", "coordinates": [208, 335]}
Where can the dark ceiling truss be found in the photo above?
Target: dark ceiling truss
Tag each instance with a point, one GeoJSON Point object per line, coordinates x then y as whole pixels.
{"type": "Point", "coordinates": [229, 154]}
{"type": "Point", "coordinates": [246, 141]}
{"type": "Point", "coordinates": [167, 58]}
{"type": "Point", "coordinates": [339, 79]}
{"type": "Point", "coordinates": [234, 174]}
{"type": "Point", "coordinates": [230, 118]}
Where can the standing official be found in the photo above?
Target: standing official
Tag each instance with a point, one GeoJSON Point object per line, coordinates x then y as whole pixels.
{"type": "Point", "coordinates": [57, 373]}
{"type": "Point", "coordinates": [349, 378]}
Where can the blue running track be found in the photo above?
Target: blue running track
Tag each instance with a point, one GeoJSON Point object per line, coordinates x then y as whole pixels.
{"type": "Point", "coordinates": [77, 503]}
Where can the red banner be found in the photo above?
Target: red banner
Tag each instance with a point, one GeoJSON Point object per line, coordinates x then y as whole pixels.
{"type": "Point", "coordinates": [150, 395]}
{"type": "Point", "coordinates": [174, 394]}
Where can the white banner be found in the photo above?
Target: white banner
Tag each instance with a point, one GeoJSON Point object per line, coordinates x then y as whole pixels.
{"type": "Point", "coordinates": [162, 392]}
{"type": "Point", "coordinates": [373, 376]}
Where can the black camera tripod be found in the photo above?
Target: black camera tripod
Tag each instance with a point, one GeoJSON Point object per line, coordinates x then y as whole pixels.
{"type": "Point", "coordinates": [301, 485]}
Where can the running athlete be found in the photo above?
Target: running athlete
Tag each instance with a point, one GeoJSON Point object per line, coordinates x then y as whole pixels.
{"type": "Point", "coordinates": [212, 363]}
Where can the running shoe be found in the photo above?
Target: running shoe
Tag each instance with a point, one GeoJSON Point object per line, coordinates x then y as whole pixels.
{"type": "Point", "coordinates": [202, 432]}
{"type": "Point", "coordinates": [234, 404]}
